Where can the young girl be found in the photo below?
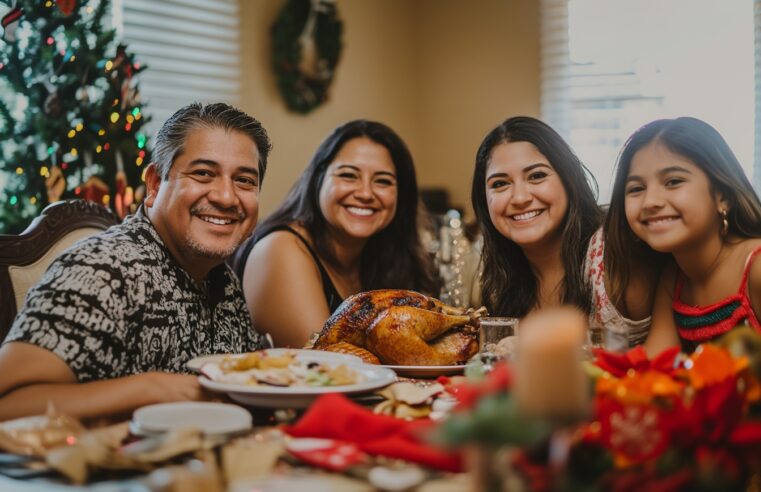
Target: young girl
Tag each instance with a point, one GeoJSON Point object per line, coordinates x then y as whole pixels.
{"type": "Point", "coordinates": [543, 246]}
{"type": "Point", "coordinates": [681, 192]}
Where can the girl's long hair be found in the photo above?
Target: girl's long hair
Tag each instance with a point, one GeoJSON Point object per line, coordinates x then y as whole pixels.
{"type": "Point", "coordinates": [510, 286]}
{"type": "Point", "coordinates": [699, 142]}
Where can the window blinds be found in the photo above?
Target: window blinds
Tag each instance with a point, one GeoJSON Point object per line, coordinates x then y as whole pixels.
{"type": "Point", "coordinates": [757, 133]}
{"type": "Point", "coordinates": [191, 48]}
{"type": "Point", "coordinates": [555, 66]}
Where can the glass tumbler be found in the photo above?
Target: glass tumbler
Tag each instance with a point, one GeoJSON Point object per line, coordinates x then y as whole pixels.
{"type": "Point", "coordinates": [496, 330]}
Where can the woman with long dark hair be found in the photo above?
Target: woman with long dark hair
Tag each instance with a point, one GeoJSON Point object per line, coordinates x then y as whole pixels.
{"type": "Point", "coordinates": [349, 224]}
{"type": "Point", "coordinates": [543, 245]}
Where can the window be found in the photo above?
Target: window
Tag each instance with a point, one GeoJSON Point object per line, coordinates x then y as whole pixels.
{"type": "Point", "coordinates": [627, 63]}
{"type": "Point", "coordinates": [191, 48]}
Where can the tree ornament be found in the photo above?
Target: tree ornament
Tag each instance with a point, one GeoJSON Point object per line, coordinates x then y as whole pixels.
{"type": "Point", "coordinates": [306, 49]}
{"type": "Point", "coordinates": [10, 23]}
{"type": "Point", "coordinates": [82, 95]}
{"type": "Point", "coordinates": [52, 105]}
{"type": "Point", "coordinates": [71, 72]}
{"type": "Point", "coordinates": [55, 184]}
{"type": "Point", "coordinates": [66, 6]}
{"type": "Point", "coordinates": [94, 190]}
{"type": "Point", "coordinates": [128, 93]}
{"type": "Point", "coordinates": [120, 204]}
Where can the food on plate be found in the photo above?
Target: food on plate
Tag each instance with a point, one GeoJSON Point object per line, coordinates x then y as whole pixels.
{"type": "Point", "coordinates": [38, 434]}
{"type": "Point", "coordinates": [401, 327]}
{"type": "Point", "coordinates": [347, 348]}
{"type": "Point", "coordinates": [284, 369]}
{"type": "Point", "coordinates": [505, 348]}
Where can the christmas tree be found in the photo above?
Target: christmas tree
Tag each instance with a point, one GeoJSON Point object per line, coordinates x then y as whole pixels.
{"type": "Point", "coordinates": [70, 115]}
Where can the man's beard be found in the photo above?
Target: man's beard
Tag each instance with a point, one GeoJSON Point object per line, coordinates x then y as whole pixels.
{"type": "Point", "coordinates": [198, 249]}
{"type": "Point", "coordinates": [195, 248]}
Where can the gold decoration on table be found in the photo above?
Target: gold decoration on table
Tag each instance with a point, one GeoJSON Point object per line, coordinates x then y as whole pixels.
{"type": "Point", "coordinates": [252, 457]}
{"type": "Point", "coordinates": [35, 436]}
{"type": "Point", "coordinates": [458, 261]}
{"type": "Point", "coordinates": [102, 449]}
{"type": "Point", "coordinates": [407, 400]}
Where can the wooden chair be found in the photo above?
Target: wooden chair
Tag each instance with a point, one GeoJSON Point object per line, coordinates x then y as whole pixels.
{"type": "Point", "coordinates": [25, 257]}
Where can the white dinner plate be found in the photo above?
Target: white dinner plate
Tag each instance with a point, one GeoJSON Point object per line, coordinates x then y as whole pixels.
{"type": "Point", "coordinates": [426, 371]}
{"type": "Point", "coordinates": [211, 418]}
{"type": "Point", "coordinates": [316, 355]}
{"type": "Point", "coordinates": [373, 377]}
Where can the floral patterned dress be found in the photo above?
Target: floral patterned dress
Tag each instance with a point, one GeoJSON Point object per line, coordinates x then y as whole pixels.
{"type": "Point", "coordinates": [603, 316]}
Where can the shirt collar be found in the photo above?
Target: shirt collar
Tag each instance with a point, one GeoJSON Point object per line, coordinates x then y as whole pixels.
{"type": "Point", "coordinates": [215, 280]}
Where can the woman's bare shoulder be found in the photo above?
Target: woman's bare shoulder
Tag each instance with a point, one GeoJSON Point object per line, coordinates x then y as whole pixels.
{"type": "Point", "coordinates": [282, 243]}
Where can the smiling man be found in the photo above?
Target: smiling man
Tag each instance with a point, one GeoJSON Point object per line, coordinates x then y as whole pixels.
{"type": "Point", "coordinates": [117, 316]}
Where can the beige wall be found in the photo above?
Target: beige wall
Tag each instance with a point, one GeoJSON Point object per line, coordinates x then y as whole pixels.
{"type": "Point", "coordinates": [440, 72]}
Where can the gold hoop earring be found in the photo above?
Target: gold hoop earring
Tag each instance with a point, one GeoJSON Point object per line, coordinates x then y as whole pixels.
{"type": "Point", "coordinates": [724, 223]}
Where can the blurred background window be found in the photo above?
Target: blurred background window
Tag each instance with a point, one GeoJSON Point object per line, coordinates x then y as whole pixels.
{"type": "Point", "coordinates": [191, 47]}
{"type": "Point", "coordinates": [610, 66]}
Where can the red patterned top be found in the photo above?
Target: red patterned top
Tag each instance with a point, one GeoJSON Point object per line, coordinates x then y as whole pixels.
{"type": "Point", "coordinates": [702, 323]}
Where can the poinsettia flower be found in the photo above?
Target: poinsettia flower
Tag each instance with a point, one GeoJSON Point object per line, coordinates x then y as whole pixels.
{"type": "Point", "coordinates": [639, 387]}
{"type": "Point", "coordinates": [636, 480]}
{"type": "Point", "coordinates": [468, 393]}
{"type": "Point", "coordinates": [710, 364]}
{"type": "Point", "coordinates": [636, 359]}
{"type": "Point", "coordinates": [747, 434]}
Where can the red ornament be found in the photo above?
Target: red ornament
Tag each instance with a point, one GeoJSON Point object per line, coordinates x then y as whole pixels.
{"type": "Point", "coordinates": [10, 23]}
{"type": "Point", "coordinates": [94, 190]}
{"type": "Point", "coordinates": [66, 6]}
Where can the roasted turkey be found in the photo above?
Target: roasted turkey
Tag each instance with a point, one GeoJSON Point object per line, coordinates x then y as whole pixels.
{"type": "Point", "coordinates": [401, 327]}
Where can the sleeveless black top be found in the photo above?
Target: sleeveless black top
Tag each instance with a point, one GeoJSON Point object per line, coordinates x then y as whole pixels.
{"type": "Point", "coordinates": [332, 297]}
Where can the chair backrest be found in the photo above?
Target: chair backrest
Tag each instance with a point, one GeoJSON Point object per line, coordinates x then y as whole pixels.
{"type": "Point", "coordinates": [25, 257]}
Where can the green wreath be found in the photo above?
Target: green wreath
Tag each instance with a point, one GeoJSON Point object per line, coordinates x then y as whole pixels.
{"type": "Point", "coordinates": [306, 45]}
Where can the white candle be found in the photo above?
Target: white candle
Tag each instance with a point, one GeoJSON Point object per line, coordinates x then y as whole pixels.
{"type": "Point", "coordinates": [549, 379]}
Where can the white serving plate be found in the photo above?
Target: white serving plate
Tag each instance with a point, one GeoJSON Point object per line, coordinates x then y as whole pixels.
{"type": "Point", "coordinates": [195, 364]}
{"type": "Point", "coordinates": [210, 417]}
{"type": "Point", "coordinates": [426, 371]}
{"type": "Point", "coordinates": [373, 377]}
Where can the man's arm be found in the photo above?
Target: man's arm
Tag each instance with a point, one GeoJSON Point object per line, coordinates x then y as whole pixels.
{"type": "Point", "coordinates": [31, 377]}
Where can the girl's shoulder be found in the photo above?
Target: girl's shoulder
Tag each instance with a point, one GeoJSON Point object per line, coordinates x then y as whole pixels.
{"type": "Point", "coordinates": [753, 262]}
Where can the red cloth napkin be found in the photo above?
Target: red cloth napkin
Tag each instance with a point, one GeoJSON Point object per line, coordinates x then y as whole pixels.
{"type": "Point", "coordinates": [334, 416]}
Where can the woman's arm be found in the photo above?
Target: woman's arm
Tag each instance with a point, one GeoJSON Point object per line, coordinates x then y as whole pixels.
{"type": "Point", "coordinates": [663, 333]}
{"type": "Point", "coordinates": [284, 290]}
{"type": "Point", "coordinates": [32, 377]}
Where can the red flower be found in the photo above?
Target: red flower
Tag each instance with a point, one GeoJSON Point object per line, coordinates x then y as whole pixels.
{"type": "Point", "coordinates": [619, 364]}
{"type": "Point", "coordinates": [497, 381]}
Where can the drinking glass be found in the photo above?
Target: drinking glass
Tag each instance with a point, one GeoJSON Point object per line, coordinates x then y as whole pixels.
{"type": "Point", "coordinates": [495, 330]}
{"type": "Point", "coordinates": [607, 338]}
{"type": "Point", "coordinates": [496, 341]}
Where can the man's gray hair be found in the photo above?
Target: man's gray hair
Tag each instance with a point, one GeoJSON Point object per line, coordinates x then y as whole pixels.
{"type": "Point", "coordinates": [170, 139]}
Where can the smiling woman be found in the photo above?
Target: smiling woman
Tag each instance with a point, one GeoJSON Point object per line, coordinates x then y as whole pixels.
{"type": "Point", "coordinates": [349, 224]}
{"type": "Point", "coordinates": [540, 222]}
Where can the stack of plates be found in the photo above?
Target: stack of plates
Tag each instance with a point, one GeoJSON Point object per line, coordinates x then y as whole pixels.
{"type": "Point", "coordinates": [213, 419]}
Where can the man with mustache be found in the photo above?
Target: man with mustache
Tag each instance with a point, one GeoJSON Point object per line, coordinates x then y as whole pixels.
{"type": "Point", "coordinates": [115, 318]}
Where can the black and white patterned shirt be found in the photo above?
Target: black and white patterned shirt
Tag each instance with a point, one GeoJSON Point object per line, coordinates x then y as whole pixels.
{"type": "Point", "coordinates": [118, 303]}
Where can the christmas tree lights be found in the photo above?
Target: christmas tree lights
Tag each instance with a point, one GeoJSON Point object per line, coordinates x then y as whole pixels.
{"type": "Point", "coordinates": [71, 121]}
